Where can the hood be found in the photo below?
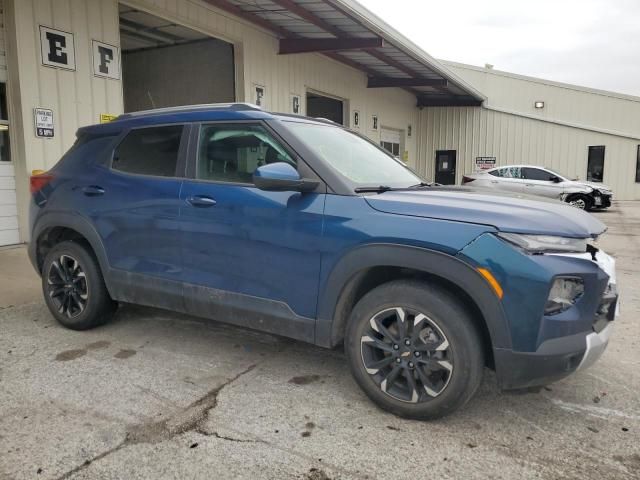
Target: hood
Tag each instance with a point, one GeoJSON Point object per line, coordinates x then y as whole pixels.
{"type": "Point", "coordinates": [505, 212]}
{"type": "Point", "coordinates": [593, 185]}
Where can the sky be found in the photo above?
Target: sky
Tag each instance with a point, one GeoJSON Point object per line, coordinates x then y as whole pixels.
{"type": "Point", "coordinates": [594, 43]}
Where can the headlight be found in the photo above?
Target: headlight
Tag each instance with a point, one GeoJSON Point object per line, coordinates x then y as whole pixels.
{"type": "Point", "coordinates": [545, 244]}
{"type": "Point", "coordinates": [564, 293]}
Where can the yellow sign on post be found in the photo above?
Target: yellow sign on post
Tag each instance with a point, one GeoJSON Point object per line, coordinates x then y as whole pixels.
{"type": "Point", "coordinates": [107, 117]}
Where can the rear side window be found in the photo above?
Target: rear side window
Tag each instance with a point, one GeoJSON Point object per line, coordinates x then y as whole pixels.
{"type": "Point", "coordinates": [149, 151]}
{"type": "Point", "coordinates": [507, 172]}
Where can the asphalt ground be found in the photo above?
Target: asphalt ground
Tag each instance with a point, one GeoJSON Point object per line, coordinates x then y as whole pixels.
{"type": "Point", "coordinates": [155, 394]}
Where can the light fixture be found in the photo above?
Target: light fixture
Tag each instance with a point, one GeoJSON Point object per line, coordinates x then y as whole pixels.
{"type": "Point", "coordinates": [539, 104]}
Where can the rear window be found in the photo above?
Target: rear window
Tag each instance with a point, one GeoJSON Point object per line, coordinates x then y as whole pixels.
{"type": "Point", "coordinates": [149, 151]}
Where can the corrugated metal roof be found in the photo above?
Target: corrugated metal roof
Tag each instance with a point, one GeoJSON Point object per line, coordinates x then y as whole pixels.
{"type": "Point", "coordinates": [399, 58]}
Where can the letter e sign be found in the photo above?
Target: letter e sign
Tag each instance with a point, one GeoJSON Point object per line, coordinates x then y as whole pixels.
{"type": "Point", "coordinates": [57, 48]}
{"type": "Point", "coordinates": [106, 60]}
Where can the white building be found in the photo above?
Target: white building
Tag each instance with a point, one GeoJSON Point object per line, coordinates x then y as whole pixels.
{"type": "Point", "coordinates": [72, 62]}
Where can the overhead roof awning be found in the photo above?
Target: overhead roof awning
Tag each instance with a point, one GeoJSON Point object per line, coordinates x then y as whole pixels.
{"type": "Point", "coordinates": [348, 33]}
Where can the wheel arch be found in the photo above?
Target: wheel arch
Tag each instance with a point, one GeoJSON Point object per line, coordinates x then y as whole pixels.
{"type": "Point", "coordinates": [368, 266]}
{"type": "Point", "coordinates": [53, 228]}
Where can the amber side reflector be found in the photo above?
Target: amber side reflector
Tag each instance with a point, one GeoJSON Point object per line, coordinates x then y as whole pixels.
{"type": "Point", "coordinates": [492, 281]}
{"type": "Point", "coordinates": [37, 181]}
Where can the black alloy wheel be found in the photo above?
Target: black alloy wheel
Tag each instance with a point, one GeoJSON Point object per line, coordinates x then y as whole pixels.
{"type": "Point", "coordinates": [67, 286]}
{"type": "Point", "coordinates": [73, 286]}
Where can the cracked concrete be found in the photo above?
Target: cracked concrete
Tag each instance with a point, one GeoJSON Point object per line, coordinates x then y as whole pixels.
{"type": "Point", "coordinates": [181, 422]}
{"type": "Point", "coordinates": [197, 399]}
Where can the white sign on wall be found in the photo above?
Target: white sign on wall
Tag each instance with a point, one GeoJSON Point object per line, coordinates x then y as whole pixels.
{"type": "Point", "coordinates": [485, 163]}
{"type": "Point", "coordinates": [295, 104]}
{"type": "Point", "coordinates": [43, 119]}
{"type": "Point", "coordinates": [259, 94]}
{"type": "Point", "coordinates": [106, 60]}
{"type": "Point", "coordinates": [57, 48]}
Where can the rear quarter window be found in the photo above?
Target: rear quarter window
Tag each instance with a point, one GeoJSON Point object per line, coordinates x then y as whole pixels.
{"type": "Point", "coordinates": [149, 151]}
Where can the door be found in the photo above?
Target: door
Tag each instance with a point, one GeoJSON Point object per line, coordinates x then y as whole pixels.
{"type": "Point", "coordinates": [9, 233]}
{"type": "Point", "coordinates": [135, 204]}
{"type": "Point", "coordinates": [538, 181]}
{"type": "Point", "coordinates": [391, 140]}
{"type": "Point", "coordinates": [446, 167]}
{"type": "Point", "coordinates": [251, 257]}
{"type": "Point", "coordinates": [595, 164]}
{"type": "Point", "coordinates": [507, 179]}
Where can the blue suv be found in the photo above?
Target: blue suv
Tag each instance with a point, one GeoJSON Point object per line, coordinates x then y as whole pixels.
{"type": "Point", "coordinates": [301, 228]}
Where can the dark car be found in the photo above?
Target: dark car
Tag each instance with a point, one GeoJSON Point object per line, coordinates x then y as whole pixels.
{"type": "Point", "coordinates": [301, 228]}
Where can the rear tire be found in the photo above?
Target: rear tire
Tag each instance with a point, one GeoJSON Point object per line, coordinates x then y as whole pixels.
{"type": "Point", "coordinates": [583, 202]}
{"type": "Point", "coordinates": [414, 349]}
{"type": "Point", "coordinates": [74, 288]}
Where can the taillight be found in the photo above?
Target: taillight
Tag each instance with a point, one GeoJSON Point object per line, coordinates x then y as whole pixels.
{"type": "Point", "coordinates": [467, 180]}
{"type": "Point", "coordinates": [37, 181]}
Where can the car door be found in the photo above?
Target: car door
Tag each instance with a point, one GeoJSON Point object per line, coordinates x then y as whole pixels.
{"type": "Point", "coordinates": [251, 257]}
{"type": "Point", "coordinates": [134, 204]}
{"type": "Point", "coordinates": [507, 179]}
{"type": "Point", "coordinates": [541, 183]}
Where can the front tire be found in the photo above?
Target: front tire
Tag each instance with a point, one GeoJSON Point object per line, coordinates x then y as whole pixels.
{"type": "Point", "coordinates": [583, 202]}
{"type": "Point", "coordinates": [414, 349]}
{"type": "Point", "coordinates": [74, 288]}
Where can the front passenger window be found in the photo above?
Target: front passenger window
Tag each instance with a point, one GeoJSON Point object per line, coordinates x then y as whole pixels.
{"type": "Point", "coordinates": [537, 174]}
{"type": "Point", "coordinates": [231, 153]}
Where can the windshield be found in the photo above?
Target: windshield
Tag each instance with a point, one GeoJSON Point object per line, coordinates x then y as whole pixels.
{"type": "Point", "coordinates": [357, 159]}
{"type": "Point", "coordinates": [561, 175]}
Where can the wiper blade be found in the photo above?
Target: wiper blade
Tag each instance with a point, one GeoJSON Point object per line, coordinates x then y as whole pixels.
{"type": "Point", "coordinates": [378, 189]}
{"type": "Point", "coordinates": [422, 184]}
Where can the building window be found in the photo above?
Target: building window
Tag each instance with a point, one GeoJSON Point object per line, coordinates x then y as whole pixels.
{"type": "Point", "coordinates": [638, 165]}
{"type": "Point", "coordinates": [595, 164]}
{"type": "Point", "coordinates": [391, 147]}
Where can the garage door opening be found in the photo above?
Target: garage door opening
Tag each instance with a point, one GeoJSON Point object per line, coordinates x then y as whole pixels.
{"type": "Point", "coordinates": [319, 106]}
{"type": "Point", "coordinates": [167, 65]}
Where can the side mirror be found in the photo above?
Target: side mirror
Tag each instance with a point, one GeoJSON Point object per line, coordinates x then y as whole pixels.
{"type": "Point", "coordinates": [281, 177]}
{"type": "Point", "coordinates": [555, 179]}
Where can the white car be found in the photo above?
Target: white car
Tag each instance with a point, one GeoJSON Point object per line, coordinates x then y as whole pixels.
{"type": "Point", "coordinates": [543, 182]}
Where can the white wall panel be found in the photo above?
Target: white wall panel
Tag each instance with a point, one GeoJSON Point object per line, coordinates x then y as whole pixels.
{"type": "Point", "coordinates": [513, 139]}
{"type": "Point", "coordinates": [581, 106]}
{"type": "Point", "coordinates": [77, 98]}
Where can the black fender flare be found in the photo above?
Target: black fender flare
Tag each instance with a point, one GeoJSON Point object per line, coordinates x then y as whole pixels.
{"type": "Point", "coordinates": [76, 222]}
{"type": "Point", "coordinates": [329, 328]}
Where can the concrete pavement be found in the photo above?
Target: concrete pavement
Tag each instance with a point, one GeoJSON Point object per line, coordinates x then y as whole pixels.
{"type": "Point", "coordinates": [160, 395]}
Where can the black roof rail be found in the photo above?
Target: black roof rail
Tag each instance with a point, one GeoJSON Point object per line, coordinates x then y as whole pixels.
{"type": "Point", "coordinates": [236, 107]}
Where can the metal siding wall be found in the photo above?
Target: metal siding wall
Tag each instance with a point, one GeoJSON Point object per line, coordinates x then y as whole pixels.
{"type": "Point", "coordinates": [512, 139]}
{"type": "Point", "coordinates": [284, 75]}
{"type": "Point", "coordinates": [602, 110]}
{"type": "Point", "coordinates": [76, 97]}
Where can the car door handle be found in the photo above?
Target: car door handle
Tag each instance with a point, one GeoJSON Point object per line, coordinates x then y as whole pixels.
{"type": "Point", "coordinates": [93, 191]}
{"type": "Point", "coordinates": [200, 201]}
{"type": "Point", "coordinates": [529, 185]}
{"type": "Point", "coordinates": [494, 181]}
